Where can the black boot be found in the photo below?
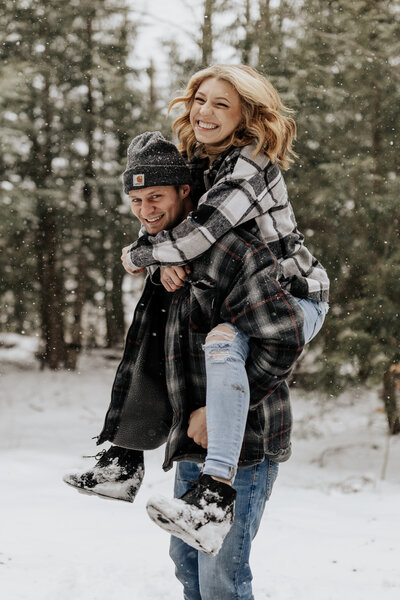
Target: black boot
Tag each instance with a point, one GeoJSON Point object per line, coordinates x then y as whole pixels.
{"type": "Point", "coordinates": [202, 517]}
{"type": "Point", "coordinates": [118, 474]}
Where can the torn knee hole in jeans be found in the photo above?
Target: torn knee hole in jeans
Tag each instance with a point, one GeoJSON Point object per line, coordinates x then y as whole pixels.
{"type": "Point", "coordinates": [218, 342]}
{"type": "Point", "coordinates": [221, 335]}
{"type": "Point", "coordinates": [219, 354]}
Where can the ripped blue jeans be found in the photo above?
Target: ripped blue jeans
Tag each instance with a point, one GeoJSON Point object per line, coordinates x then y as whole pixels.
{"type": "Point", "coordinates": [228, 396]}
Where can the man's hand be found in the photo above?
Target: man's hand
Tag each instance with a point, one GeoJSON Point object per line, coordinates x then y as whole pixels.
{"type": "Point", "coordinates": [125, 265]}
{"type": "Point", "coordinates": [197, 429]}
{"type": "Point", "coordinates": [172, 277]}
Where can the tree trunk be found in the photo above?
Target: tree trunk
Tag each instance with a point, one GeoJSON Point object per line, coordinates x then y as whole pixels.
{"type": "Point", "coordinates": [75, 346]}
{"type": "Point", "coordinates": [50, 279]}
{"type": "Point", "coordinates": [283, 12]}
{"type": "Point", "coordinates": [376, 139]}
{"type": "Point", "coordinates": [391, 381]}
{"type": "Point", "coordinates": [247, 44]}
{"type": "Point", "coordinates": [264, 35]}
{"type": "Point", "coordinates": [115, 321]}
{"type": "Point", "coordinates": [152, 87]}
{"type": "Point", "coordinates": [52, 300]}
{"type": "Point", "coordinates": [207, 33]}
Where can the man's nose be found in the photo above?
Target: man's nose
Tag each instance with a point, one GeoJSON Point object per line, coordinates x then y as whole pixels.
{"type": "Point", "coordinates": [146, 209]}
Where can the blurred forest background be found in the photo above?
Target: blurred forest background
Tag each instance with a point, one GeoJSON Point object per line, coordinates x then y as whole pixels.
{"type": "Point", "coordinates": [72, 98]}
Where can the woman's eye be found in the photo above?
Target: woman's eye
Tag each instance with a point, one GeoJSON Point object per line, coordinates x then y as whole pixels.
{"type": "Point", "coordinates": [223, 105]}
{"type": "Point", "coordinates": [199, 99]}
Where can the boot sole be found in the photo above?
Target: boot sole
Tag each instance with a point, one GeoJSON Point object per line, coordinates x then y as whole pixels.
{"type": "Point", "coordinates": [96, 492]}
{"type": "Point", "coordinates": [163, 521]}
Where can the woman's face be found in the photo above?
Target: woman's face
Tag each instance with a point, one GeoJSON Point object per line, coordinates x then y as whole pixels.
{"type": "Point", "coordinates": [216, 111]}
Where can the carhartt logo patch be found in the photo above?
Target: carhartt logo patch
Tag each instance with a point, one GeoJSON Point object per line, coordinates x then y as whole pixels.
{"type": "Point", "coordinates": [138, 179]}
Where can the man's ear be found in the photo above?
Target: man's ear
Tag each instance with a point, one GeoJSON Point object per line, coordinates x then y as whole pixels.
{"type": "Point", "coordinates": [185, 189]}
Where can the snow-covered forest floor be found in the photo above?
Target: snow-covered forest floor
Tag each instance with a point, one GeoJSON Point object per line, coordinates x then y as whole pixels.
{"type": "Point", "coordinates": [330, 532]}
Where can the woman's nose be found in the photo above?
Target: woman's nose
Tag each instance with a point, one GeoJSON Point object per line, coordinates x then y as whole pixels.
{"type": "Point", "coordinates": [205, 108]}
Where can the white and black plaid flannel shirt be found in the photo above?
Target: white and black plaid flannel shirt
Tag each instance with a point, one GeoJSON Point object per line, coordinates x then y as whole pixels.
{"type": "Point", "coordinates": [240, 189]}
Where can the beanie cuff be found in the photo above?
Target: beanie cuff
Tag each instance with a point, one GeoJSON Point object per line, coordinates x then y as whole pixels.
{"type": "Point", "coordinates": [149, 176]}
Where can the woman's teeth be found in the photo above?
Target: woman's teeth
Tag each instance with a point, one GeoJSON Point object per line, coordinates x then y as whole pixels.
{"type": "Point", "coordinates": [207, 125]}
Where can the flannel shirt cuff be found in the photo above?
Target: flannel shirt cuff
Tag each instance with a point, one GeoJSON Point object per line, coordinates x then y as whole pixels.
{"type": "Point", "coordinates": [129, 262]}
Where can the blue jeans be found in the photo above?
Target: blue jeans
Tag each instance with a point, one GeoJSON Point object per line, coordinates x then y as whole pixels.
{"type": "Point", "coordinates": [226, 576]}
{"type": "Point", "coordinates": [228, 396]}
{"type": "Point", "coordinates": [314, 316]}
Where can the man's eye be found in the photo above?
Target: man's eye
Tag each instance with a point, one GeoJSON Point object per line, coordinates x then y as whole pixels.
{"type": "Point", "coordinates": [135, 200]}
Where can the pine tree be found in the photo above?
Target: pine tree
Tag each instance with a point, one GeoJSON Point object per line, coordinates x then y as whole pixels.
{"type": "Point", "coordinates": [346, 182]}
{"type": "Point", "coordinates": [73, 108]}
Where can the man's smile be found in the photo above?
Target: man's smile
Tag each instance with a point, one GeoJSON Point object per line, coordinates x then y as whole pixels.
{"type": "Point", "coordinates": [153, 220]}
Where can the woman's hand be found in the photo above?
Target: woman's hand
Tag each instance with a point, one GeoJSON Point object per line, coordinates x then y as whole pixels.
{"type": "Point", "coordinates": [197, 429]}
{"type": "Point", "coordinates": [125, 264]}
{"type": "Point", "coordinates": [172, 277]}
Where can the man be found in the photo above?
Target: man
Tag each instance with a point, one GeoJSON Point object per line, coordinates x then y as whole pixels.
{"type": "Point", "coordinates": [155, 396]}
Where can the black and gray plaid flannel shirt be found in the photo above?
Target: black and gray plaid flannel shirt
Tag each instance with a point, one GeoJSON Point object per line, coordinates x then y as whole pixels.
{"type": "Point", "coordinates": [234, 281]}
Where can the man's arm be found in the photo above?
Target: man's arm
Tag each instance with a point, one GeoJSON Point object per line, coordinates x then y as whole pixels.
{"type": "Point", "coordinates": [246, 193]}
{"type": "Point", "coordinates": [197, 429]}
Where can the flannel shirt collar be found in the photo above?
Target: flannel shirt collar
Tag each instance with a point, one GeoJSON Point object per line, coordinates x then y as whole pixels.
{"type": "Point", "coordinates": [222, 164]}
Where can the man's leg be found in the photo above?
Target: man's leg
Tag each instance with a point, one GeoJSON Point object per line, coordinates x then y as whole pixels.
{"type": "Point", "coordinates": [227, 576]}
{"type": "Point", "coordinates": [185, 557]}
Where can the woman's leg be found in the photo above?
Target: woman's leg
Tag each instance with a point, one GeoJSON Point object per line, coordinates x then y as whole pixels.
{"type": "Point", "coordinates": [314, 316]}
{"type": "Point", "coordinates": [226, 351]}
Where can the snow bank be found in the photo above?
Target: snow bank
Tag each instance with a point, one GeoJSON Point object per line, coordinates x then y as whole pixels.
{"type": "Point", "coordinates": [18, 350]}
{"type": "Point", "coordinates": [330, 530]}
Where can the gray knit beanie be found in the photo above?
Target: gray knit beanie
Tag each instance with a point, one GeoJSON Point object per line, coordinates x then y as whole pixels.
{"type": "Point", "coordinates": [152, 160]}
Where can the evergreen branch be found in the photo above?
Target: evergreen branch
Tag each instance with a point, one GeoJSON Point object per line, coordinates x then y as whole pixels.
{"type": "Point", "coordinates": [342, 38]}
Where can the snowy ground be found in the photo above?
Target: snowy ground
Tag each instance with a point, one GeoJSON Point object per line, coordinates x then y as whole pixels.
{"type": "Point", "coordinates": [331, 530]}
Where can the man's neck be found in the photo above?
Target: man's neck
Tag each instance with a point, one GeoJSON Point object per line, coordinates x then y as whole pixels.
{"type": "Point", "coordinates": [187, 207]}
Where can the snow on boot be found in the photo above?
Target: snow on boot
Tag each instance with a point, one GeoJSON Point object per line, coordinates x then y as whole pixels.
{"type": "Point", "coordinates": [118, 474]}
{"type": "Point", "coordinates": [202, 517]}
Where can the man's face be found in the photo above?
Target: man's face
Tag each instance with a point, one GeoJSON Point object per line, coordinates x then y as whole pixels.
{"type": "Point", "coordinates": [160, 207]}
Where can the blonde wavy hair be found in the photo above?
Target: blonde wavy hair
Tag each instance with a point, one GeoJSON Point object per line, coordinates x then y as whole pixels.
{"type": "Point", "coordinates": [263, 115]}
